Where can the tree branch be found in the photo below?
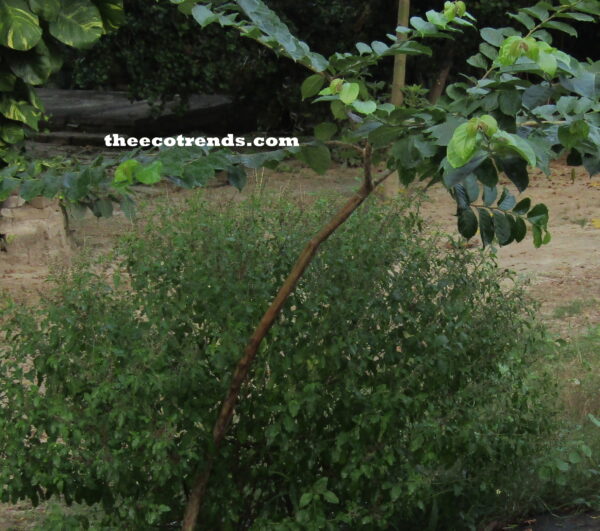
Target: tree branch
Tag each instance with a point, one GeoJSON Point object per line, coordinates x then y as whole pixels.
{"type": "Point", "coordinates": [250, 351]}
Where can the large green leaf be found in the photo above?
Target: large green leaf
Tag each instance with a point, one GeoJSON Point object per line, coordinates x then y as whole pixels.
{"type": "Point", "coordinates": [37, 65]}
{"type": "Point", "coordinates": [349, 92]}
{"type": "Point", "coordinates": [19, 27]}
{"type": "Point", "coordinates": [46, 9]}
{"type": "Point", "coordinates": [112, 13]}
{"type": "Point", "coordinates": [270, 24]}
{"type": "Point", "coordinates": [467, 222]}
{"type": "Point", "coordinates": [317, 157]}
{"type": "Point", "coordinates": [78, 24]}
{"type": "Point", "coordinates": [516, 170]}
{"type": "Point", "coordinates": [504, 140]}
{"type": "Point", "coordinates": [7, 81]}
{"type": "Point", "coordinates": [463, 144]}
{"type": "Point", "coordinates": [21, 111]}
{"type": "Point", "coordinates": [11, 132]}
{"type": "Point", "coordinates": [312, 85]}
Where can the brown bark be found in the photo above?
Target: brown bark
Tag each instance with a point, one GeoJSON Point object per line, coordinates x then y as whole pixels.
{"type": "Point", "coordinates": [392, 186]}
{"type": "Point", "coordinates": [442, 78]}
{"type": "Point", "coordinates": [242, 369]}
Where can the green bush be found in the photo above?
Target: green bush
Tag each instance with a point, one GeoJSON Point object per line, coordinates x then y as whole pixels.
{"type": "Point", "coordinates": [394, 392]}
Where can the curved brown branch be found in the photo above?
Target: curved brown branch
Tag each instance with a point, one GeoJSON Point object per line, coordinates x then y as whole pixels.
{"type": "Point", "coordinates": [242, 369]}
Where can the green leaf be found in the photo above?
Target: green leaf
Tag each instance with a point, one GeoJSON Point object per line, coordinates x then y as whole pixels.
{"type": "Point", "coordinates": [510, 102]}
{"type": "Point", "coordinates": [317, 157]}
{"type": "Point", "coordinates": [7, 81]}
{"type": "Point", "coordinates": [478, 61]}
{"type": "Point", "coordinates": [384, 135]}
{"type": "Point", "coordinates": [486, 227]}
{"type": "Point", "coordinates": [306, 499]}
{"type": "Point", "coordinates": [490, 194]}
{"type": "Point", "coordinates": [524, 19]}
{"type": "Point", "coordinates": [487, 174]}
{"type": "Point", "coordinates": [538, 11]}
{"type": "Point", "coordinates": [437, 19]}
{"type": "Point", "coordinates": [150, 174]}
{"type": "Point", "coordinates": [236, 175]}
{"type": "Point", "coordinates": [547, 62]}
{"type": "Point", "coordinates": [571, 134]}
{"type": "Point", "coordinates": [312, 85]}
{"type": "Point", "coordinates": [364, 107]}
{"type": "Point", "coordinates": [46, 9]}
{"type": "Point", "coordinates": [537, 95]}
{"type": "Point", "coordinates": [457, 175]}
{"type": "Point", "coordinates": [519, 230]}
{"type": "Point", "coordinates": [522, 207]}
{"type": "Point", "coordinates": [538, 215]}
{"type": "Point", "coordinates": [325, 131]}
{"type": "Point", "coordinates": [585, 84]}
{"type": "Point", "coordinates": [581, 17]}
{"type": "Point", "coordinates": [516, 170]}
{"type": "Point", "coordinates": [502, 228]}
{"type": "Point", "coordinates": [102, 208]}
{"type": "Point", "coordinates": [203, 15]}
{"type": "Point", "coordinates": [270, 24]}
{"type": "Point", "coordinates": [410, 48]}
{"type": "Point", "coordinates": [493, 36]}
{"type": "Point", "coordinates": [78, 24]}
{"type": "Point", "coordinates": [294, 408]}
{"type": "Point", "coordinates": [379, 47]}
{"type": "Point", "coordinates": [19, 27]}
{"type": "Point", "coordinates": [363, 48]}
{"type": "Point", "coordinates": [502, 139]}
{"type": "Point", "coordinates": [349, 92]}
{"type": "Point", "coordinates": [330, 497]}
{"type": "Point", "coordinates": [507, 201]}
{"type": "Point", "coordinates": [488, 51]}
{"type": "Point", "coordinates": [560, 26]}
{"type": "Point", "coordinates": [124, 174]}
{"type": "Point", "coordinates": [338, 110]}
{"type": "Point", "coordinates": [443, 132]}
{"type": "Point", "coordinates": [36, 66]}
{"type": "Point", "coordinates": [112, 13]}
{"type": "Point", "coordinates": [462, 146]}
{"type": "Point", "coordinates": [21, 111]}
{"type": "Point", "coordinates": [31, 188]}
{"type": "Point", "coordinates": [467, 223]}
{"type": "Point", "coordinates": [11, 132]}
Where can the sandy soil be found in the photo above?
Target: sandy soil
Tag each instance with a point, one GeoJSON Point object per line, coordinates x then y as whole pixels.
{"type": "Point", "coordinates": [565, 271]}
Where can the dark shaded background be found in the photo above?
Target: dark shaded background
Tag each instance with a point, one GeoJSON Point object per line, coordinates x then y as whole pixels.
{"type": "Point", "coordinates": [159, 53]}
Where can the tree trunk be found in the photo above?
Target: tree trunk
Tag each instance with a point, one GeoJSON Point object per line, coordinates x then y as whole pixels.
{"type": "Point", "coordinates": [391, 187]}
{"type": "Point", "coordinates": [439, 84]}
{"type": "Point", "coordinates": [242, 369]}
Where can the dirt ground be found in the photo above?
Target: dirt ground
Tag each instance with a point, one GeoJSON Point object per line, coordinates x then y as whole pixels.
{"type": "Point", "coordinates": [564, 275]}
{"type": "Point", "coordinates": [565, 272]}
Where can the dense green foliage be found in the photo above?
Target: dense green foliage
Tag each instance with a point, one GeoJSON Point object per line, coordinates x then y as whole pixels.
{"type": "Point", "coordinates": [396, 388]}
{"type": "Point", "coordinates": [532, 103]}
{"type": "Point", "coordinates": [31, 35]}
{"type": "Point", "coordinates": [171, 56]}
